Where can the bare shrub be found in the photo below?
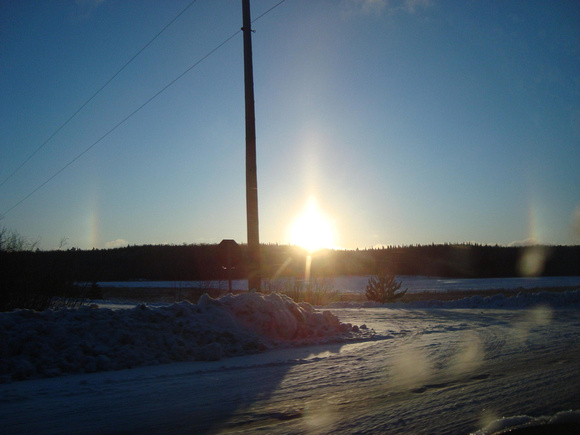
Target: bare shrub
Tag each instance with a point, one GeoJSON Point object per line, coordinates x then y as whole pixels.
{"type": "Point", "coordinates": [317, 291]}
{"type": "Point", "coordinates": [27, 283]}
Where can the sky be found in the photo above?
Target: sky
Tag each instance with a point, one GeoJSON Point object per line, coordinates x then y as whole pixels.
{"type": "Point", "coordinates": [388, 122]}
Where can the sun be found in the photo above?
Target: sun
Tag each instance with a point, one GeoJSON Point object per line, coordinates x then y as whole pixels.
{"type": "Point", "coordinates": [312, 230]}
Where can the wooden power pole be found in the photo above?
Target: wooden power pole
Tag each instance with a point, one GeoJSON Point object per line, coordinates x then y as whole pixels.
{"type": "Point", "coordinates": [254, 275]}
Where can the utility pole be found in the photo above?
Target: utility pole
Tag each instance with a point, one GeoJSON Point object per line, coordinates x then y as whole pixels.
{"type": "Point", "coordinates": [254, 275]}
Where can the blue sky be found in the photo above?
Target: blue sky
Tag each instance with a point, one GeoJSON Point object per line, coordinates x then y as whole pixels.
{"type": "Point", "coordinates": [418, 121]}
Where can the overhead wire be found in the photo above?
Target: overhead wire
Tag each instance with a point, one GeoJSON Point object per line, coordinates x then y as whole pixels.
{"type": "Point", "coordinates": [268, 11]}
{"type": "Point", "coordinates": [86, 150]}
{"type": "Point", "coordinates": [95, 94]}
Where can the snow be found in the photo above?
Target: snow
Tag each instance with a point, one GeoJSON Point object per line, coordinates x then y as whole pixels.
{"type": "Point", "coordinates": [357, 284]}
{"type": "Point", "coordinates": [419, 284]}
{"type": "Point", "coordinates": [567, 299]}
{"type": "Point", "coordinates": [562, 422]}
{"type": "Point", "coordinates": [51, 343]}
{"type": "Point", "coordinates": [480, 365]}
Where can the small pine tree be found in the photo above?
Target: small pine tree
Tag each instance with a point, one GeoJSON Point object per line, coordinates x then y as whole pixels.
{"type": "Point", "coordinates": [383, 287]}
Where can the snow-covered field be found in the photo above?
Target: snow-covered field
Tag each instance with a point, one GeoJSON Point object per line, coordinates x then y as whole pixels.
{"type": "Point", "coordinates": [356, 284]}
{"type": "Point", "coordinates": [450, 368]}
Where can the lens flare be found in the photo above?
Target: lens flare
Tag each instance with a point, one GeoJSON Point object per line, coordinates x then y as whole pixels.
{"type": "Point", "coordinates": [532, 261]}
{"type": "Point", "coordinates": [576, 223]}
{"type": "Point", "coordinates": [469, 355]}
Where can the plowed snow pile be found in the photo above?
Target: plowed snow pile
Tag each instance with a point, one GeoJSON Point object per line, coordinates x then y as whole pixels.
{"type": "Point", "coordinates": [565, 422]}
{"type": "Point", "coordinates": [51, 343]}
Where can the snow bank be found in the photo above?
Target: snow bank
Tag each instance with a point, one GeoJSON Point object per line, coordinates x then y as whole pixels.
{"type": "Point", "coordinates": [50, 343]}
{"type": "Point", "coordinates": [562, 422]}
{"type": "Point", "coordinates": [569, 299]}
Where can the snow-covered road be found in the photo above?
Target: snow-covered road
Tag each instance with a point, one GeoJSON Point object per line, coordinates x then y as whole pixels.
{"type": "Point", "coordinates": [427, 371]}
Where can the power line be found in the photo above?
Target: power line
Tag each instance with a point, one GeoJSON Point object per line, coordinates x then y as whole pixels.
{"type": "Point", "coordinates": [268, 11]}
{"type": "Point", "coordinates": [95, 94]}
{"type": "Point", "coordinates": [86, 150]}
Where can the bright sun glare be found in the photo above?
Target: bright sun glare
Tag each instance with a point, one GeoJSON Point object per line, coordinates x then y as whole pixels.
{"type": "Point", "coordinates": [312, 230]}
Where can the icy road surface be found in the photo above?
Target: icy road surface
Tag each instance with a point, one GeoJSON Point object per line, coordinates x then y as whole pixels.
{"type": "Point", "coordinates": [447, 371]}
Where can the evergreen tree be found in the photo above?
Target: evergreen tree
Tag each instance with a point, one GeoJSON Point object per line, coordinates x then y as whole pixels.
{"type": "Point", "coordinates": [383, 287]}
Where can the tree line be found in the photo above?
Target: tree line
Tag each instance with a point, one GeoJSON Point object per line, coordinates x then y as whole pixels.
{"type": "Point", "coordinates": [210, 262]}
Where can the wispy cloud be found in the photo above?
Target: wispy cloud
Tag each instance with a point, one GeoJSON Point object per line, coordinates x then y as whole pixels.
{"type": "Point", "coordinates": [530, 241]}
{"type": "Point", "coordinates": [119, 243]}
{"type": "Point", "coordinates": [89, 3]}
{"type": "Point", "coordinates": [86, 7]}
{"type": "Point", "coordinates": [380, 7]}
{"type": "Point", "coordinates": [412, 6]}
{"type": "Point", "coordinates": [372, 6]}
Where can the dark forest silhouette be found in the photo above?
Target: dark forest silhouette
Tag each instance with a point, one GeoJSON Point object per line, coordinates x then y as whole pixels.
{"type": "Point", "coordinates": [206, 262]}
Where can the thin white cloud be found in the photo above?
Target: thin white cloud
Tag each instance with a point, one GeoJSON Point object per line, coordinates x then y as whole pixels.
{"type": "Point", "coordinates": [90, 3]}
{"type": "Point", "coordinates": [363, 7]}
{"type": "Point", "coordinates": [380, 7]}
{"type": "Point", "coordinates": [373, 6]}
{"type": "Point", "coordinates": [85, 8]}
{"type": "Point", "coordinates": [530, 241]}
{"type": "Point", "coordinates": [412, 6]}
{"type": "Point", "coordinates": [119, 243]}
